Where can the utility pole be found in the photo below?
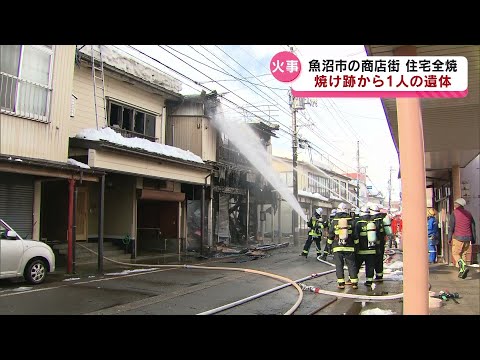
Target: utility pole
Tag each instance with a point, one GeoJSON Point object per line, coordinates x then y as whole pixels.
{"type": "Point", "coordinates": [294, 163]}
{"type": "Point", "coordinates": [358, 174]}
{"type": "Point", "coordinates": [295, 175]}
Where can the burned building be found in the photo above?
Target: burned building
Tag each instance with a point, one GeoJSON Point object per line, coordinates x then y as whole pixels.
{"type": "Point", "coordinates": [235, 204]}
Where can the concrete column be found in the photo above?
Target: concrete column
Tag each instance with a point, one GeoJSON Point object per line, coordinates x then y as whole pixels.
{"type": "Point", "coordinates": [412, 167]}
{"type": "Point", "coordinates": [456, 183]}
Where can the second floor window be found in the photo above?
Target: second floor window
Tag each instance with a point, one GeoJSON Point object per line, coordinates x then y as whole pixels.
{"type": "Point", "coordinates": [287, 178]}
{"type": "Point", "coordinates": [131, 122]}
{"type": "Point", "coordinates": [25, 80]}
{"type": "Point", "coordinates": [318, 184]}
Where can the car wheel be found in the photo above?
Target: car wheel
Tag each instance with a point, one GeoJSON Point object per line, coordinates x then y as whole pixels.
{"type": "Point", "coordinates": [35, 272]}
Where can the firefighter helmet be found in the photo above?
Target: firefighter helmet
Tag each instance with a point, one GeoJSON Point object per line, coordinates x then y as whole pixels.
{"type": "Point", "coordinates": [342, 207]}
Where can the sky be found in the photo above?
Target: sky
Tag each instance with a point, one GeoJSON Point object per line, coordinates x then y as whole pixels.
{"type": "Point", "coordinates": [241, 75]}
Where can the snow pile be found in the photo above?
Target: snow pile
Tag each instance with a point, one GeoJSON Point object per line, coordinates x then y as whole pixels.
{"type": "Point", "coordinates": [111, 136]}
{"type": "Point", "coordinates": [125, 272]}
{"type": "Point", "coordinates": [393, 271]}
{"type": "Point", "coordinates": [474, 265]}
{"type": "Point", "coordinates": [71, 279]}
{"type": "Point", "coordinates": [312, 195]}
{"type": "Point", "coordinates": [128, 64]}
{"type": "Point", "coordinates": [377, 311]}
{"type": "Point", "coordinates": [77, 163]}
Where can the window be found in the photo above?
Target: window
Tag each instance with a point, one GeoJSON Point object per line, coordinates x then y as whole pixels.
{"type": "Point", "coordinates": [287, 178]}
{"type": "Point", "coordinates": [343, 189]}
{"type": "Point", "coordinates": [324, 186]}
{"type": "Point", "coordinates": [334, 187]}
{"type": "Point", "coordinates": [25, 80]}
{"type": "Point", "coordinates": [130, 121]}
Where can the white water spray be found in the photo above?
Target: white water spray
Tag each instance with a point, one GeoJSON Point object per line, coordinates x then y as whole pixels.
{"type": "Point", "coordinates": [248, 143]}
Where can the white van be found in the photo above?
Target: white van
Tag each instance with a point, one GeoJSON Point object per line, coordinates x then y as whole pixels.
{"type": "Point", "coordinates": [24, 258]}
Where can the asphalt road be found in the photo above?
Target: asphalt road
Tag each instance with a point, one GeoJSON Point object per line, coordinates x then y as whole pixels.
{"type": "Point", "coordinates": [175, 291]}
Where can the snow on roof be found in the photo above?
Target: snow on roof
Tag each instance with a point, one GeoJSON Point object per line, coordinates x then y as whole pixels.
{"type": "Point", "coordinates": [77, 163]}
{"type": "Point", "coordinates": [128, 64]}
{"type": "Point", "coordinates": [312, 195]}
{"type": "Point", "coordinates": [113, 137]}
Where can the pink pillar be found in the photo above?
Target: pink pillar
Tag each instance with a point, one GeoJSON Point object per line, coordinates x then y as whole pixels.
{"type": "Point", "coordinates": [412, 168]}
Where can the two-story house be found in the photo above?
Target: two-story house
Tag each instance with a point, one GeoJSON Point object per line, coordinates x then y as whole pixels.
{"type": "Point", "coordinates": [148, 182]}
{"type": "Point", "coordinates": [60, 146]}
{"type": "Point", "coordinates": [36, 84]}
{"type": "Point", "coordinates": [317, 187]}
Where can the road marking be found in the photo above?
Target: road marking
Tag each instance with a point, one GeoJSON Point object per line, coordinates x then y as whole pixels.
{"type": "Point", "coordinates": [85, 282]}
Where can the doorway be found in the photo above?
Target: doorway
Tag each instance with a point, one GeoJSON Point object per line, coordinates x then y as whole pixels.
{"type": "Point", "coordinates": [81, 214]}
{"type": "Point", "coordinates": [157, 226]}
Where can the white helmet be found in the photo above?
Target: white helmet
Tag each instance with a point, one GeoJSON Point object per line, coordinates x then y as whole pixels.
{"type": "Point", "coordinates": [333, 213]}
{"type": "Point", "coordinates": [342, 207]}
{"type": "Point", "coordinates": [461, 202]}
{"type": "Point", "coordinates": [319, 211]}
{"type": "Point", "coordinates": [374, 208]}
{"type": "Point", "coordinates": [364, 210]}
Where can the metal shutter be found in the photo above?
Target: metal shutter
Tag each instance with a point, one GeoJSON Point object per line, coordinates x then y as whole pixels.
{"type": "Point", "coordinates": [16, 202]}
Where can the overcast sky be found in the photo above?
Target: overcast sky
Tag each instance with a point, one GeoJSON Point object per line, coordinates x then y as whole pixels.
{"type": "Point", "coordinates": [332, 125]}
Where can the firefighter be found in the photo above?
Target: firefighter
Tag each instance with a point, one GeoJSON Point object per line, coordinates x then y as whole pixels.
{"type": "Point", "coordinates": [329, 222]}
{"type": "Point", "coordinates": [342, 243]}
{"type": "Point", "coordinates": [315, 234]}
{"type": "Point", "coordinates": [365, 232]}
{"type": "Point", "coordinates": [377, 217]}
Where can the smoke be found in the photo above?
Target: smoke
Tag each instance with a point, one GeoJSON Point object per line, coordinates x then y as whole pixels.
{"type": "Point", "coordinates": [249, 144]}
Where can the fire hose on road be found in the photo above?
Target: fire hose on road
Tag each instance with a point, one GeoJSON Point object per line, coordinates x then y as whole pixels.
{"type": "Point", "coordinates": [295, 283]}
{"type": "Point", "coordinates": [251, 271]}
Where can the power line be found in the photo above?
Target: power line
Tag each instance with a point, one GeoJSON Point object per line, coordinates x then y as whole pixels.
{"type": "Point", "coordinates": [221, 71]}
{"type": "Point", "coordinates": [309, 123]}
{"type": "Point", "coordinates": [314, 130]}
{"type": "Point", "coordinates": [197, 83]}
{"type": "Point", "coordinates": [202, 86]}
{"type": "Point", "coordinates": [194, 81]}
{"type": "Point", "coordinates": [193, 67]}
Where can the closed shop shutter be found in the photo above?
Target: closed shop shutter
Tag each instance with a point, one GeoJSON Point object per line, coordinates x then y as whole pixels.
{"type": "Point", "coordinates": [16, 202]}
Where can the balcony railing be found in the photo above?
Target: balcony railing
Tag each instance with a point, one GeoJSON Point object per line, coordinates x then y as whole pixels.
{"type": "Point", "coordinates": [24, 98]}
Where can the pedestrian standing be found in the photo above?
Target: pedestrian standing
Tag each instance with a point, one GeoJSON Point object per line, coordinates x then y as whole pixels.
{"type": "Point", "coordinates": [461, 235]}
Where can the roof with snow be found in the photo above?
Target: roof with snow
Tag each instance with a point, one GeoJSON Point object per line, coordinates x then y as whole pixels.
{"type": "Point", "coordinates": [108, 135]}
{"type": "Point", "coordinates": [128, 65]}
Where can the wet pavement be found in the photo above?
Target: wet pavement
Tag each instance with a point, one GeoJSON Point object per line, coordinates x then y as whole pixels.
{"type": "Point", "coordinates": [126, 290]}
